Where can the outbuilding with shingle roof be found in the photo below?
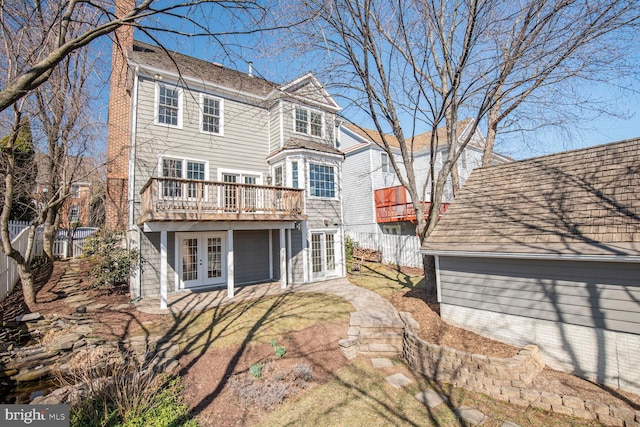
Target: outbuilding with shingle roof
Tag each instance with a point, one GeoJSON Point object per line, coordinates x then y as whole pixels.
{"type": "Point", "coordinates": [547, 251]}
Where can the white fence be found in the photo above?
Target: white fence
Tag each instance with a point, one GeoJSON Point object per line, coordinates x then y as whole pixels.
{"type": "Point", "coordinates": [398, 250]}
{"type": "Point", "coordinates": [8, 267]}
{"type": "Point", "coordinates": [15, 227]}
{"type": "Point", "coordinates": [61, 244]}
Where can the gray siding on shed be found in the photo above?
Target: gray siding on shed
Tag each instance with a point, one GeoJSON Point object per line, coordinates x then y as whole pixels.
{"type": "Point", "coordinates": [594, 294]}
{"type": "Point", "coordinates": [251, 256]}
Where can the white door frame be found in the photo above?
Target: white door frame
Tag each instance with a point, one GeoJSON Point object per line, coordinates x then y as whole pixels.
{"type": "Point", "coordinates": [324, 273]}
{"type": "Point", "coordinates": [202, 280]}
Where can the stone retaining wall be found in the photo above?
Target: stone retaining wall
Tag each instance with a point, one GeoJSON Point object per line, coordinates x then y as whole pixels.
{"type": "Point", "coordinates": [504, 379]}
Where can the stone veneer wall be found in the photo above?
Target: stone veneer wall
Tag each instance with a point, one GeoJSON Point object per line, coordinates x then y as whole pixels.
{"type": "Point", "coordinates": [504, 379]}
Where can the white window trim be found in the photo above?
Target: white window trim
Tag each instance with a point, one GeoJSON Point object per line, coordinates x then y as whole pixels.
{"type": "Point", "coordinates": [389, 168]}
{"type": "Point", "coordinates": [335, 180]}
{"type": "Point", "coordinates": [308, 133]}
{"type": "Point", "coordinates": [71, 209]}
{"type": "Point", "coordinates": [283, 166]}
{"type": "Point", "coordinates": [242, 173]}
{"type": "Point", "coordinates": [184, 161]}
{"type": "Point", "coordinates": [221, 101]}
{"type": "Point", "coordinates": [157, 104]}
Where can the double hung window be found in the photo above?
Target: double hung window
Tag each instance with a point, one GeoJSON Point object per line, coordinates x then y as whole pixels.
{"type": "Point", "coordinates": [309, 122]}
{"type": "Point", "coordinates": [211, 120]}
{"type": "Point", "coordinates": [169, 105]}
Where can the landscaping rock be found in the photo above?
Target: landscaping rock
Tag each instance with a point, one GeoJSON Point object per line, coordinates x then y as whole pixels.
{"type": "Point", "coordinates": [65, 342]}
{"type": "Point", "coordinates": [398, 380]}
{"type": "Point", "coordinates": [471, 416]}
{"type": "Point", "coordinates": [431, 398]}
{"type": "Point", "coordinates": [29, 317]}
{"type": "Point", "coordinates": [381, 362]}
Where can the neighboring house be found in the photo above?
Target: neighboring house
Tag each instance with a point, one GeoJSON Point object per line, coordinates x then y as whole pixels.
{"type": "Point", "coordinates": [221, 177]}
{"type": "Point", "coordinates": [374, 199]}
{"type": "Point", "coordinates": [76, 209]}
{"type": "Point", "coordinates": [547, 251]}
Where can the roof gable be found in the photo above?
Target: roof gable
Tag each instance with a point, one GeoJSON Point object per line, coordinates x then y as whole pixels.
{"type": "Point", "coordinates": [582, 202]}
{"type": "Point", "coordinates": [307, 87]}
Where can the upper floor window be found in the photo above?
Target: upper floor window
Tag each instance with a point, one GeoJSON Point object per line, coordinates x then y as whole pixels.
{"type": "Point", "coordinates": [75, 191]}
{"type": "Point", "coordinates": [74, 213]}
{"type": "Point", "coordinates": [278, 178]}
{"type": "Point", "coordinates": [322, 181]}
{"type": "Point", "coordinates": [384, 160]}
{"type": "Point", "coordinates": [169, 105]}
{"type": "Point", "coordinates": [309, 122]}
{"type": "Point", "coordinates": [211, 119]}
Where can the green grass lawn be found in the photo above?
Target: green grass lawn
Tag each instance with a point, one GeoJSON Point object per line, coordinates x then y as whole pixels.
{"type": "Point", "coordinates": [384, 280]}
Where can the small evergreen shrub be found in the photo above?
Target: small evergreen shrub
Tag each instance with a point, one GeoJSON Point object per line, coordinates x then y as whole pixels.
{"type": "Point", "coordinates": [256, 370]}
{"type": "Point", "coordinates": [114, 262]}
{"type": "Point", "coordinates": [349, 246]}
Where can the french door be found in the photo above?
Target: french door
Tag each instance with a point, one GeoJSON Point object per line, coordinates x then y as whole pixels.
{"type": "Point", "coordinates": [201, 259]}
{"type": "Point", "coordinates": [323, 254]}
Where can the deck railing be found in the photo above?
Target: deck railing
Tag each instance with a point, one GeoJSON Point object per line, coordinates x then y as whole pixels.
{"type": "Point", "coordinates": [175, 195]}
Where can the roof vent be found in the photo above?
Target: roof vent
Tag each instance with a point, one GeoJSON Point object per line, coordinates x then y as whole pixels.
{"type": "Point", "coordinates": [217, 64]}
{"type": "Point", "coordinates": [250, 69]}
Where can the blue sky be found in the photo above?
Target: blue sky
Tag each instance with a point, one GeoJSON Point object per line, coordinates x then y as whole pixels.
{"type": "Point", "coordinates": [598, 128]}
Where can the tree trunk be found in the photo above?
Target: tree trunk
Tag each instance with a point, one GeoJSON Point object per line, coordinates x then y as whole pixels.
{"type": "Point", "coordinates": [28, 291]}
{"type": "Point", "coordinates": [429, 265]}
{"type": "Point", "coordinates": [492, 129]}
{"type": "Point", "coordinates": [48, 237]}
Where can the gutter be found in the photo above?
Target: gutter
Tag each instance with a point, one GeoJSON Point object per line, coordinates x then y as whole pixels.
{"type": "Point", "coordinates": [515, 255]}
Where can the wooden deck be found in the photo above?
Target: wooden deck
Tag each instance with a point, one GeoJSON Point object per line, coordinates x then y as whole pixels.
{"type": "Point", "coordinates": [175, 199]}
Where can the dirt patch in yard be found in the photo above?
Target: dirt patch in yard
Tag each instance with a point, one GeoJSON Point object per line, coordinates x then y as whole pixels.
{"type": "Point", "coordinates": [207, 376]}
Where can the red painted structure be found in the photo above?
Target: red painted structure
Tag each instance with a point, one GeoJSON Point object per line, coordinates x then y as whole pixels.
{"type": "Point", "coordinates": [394, 205]}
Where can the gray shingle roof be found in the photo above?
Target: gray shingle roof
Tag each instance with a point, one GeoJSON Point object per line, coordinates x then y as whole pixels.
{"type": "Point", "coordinates": [581, 202]}
{"type": "Point", "coordinates": [156, 57]}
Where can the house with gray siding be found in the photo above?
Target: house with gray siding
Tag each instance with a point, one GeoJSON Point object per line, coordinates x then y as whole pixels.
{"type": "Point", "coordinates": [546, 251]}
{"type": "Point", "coordinates": [230, 179]}
{"type": "Point", "coordinates": [374, 199]}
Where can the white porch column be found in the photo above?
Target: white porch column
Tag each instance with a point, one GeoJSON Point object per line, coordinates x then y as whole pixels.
{"type": "Point", "coordinates": [283, 260]}
{"type": "Point", "coordinates": [230, 277]}
{"type": "Point", "coordinates": [289, 267]}
{"type": "Point", "coordinates": [163, 269]}
{"type": "Point", "coordinates": [271, 254]}
{"type": "Point", "coordinates": [439, 291]}
{"type": "Point", "coordinates": [305, 253]}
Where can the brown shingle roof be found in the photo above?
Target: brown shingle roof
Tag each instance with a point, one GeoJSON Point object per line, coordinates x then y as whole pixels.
{"type": "Point", "coordinates": [421, 141]}
{"type": "Point", "coordinates": [582, 202]}
{"type": "Point", "coordinates": [154, 56]}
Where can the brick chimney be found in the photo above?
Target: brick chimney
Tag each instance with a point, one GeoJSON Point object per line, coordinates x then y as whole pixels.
{"type": "Point", "coordinates": [119, 125]}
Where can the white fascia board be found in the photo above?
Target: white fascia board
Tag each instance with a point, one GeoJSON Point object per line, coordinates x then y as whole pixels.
{"type": "Point", "coordinates": [302, 152]}
{"type": "Point", "coordinates": [513, 255]}
{"type": "Point", "coordinates": [149, 71]}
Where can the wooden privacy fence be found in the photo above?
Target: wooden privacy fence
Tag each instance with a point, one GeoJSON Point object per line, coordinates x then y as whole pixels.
{"type": "Point", "coordinates": [398, 250]}
{"type": "Point", "coordinates": [8, 267]}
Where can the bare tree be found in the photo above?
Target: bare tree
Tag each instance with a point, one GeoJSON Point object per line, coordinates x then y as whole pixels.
{"type": "Point", "coordinates": [413, 66]}
{"type": "Point", "coordinates": [46, 65]}
{"type": "Point", "coordinates": [103, 17]}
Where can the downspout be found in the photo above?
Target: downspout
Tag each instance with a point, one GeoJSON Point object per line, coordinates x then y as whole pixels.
{"type": "Point", "coordinates": [132, 179]}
